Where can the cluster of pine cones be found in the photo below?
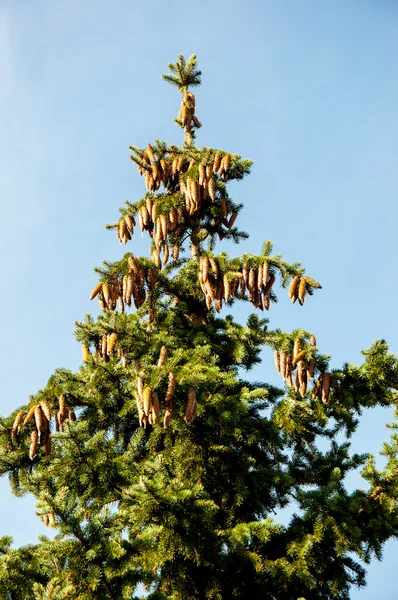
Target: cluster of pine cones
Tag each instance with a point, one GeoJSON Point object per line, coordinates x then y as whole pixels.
{"type": "Point", "coordinates": [187, 113]}
{"type": "Point", "coordinates": [132, 286]}
{"type": "Point", "coordinates": [42, 417]}
{"type": "Point", "coordinates": [299, 287]}
{"type": "Point", "coordinates": [287, 363]}
{"type": "Point", "coordinates": [147, 399]}
{"type": "Point", "coordinates": [104, 346]}
{"type": "Point", "coordinates": [195, 178]}
{"type": "Point", "coordinates": [217, 287]}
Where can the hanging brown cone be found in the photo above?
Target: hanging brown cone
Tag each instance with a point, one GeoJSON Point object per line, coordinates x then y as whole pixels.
{"type": "Point", "coordinates": [140, 387]}
{"type": "Point", "coordinates": [282, 363]}
{"type": "Point", "coordinates": [226, 162]}
{"type": "Point", "coordinates": [317, 389]}
{"type": "Point", "coordinates": [190, 412]}
{"type": "Point", "coordinates": [269, 285]}
{"type": "Point", "coordinates": [232, 220]}
{"type": "Point", "coordinates": [156, 259]}
{"type": "Point", "coordinates": [171, 386]}
{"type": "Point", "coordinates": [212, 189]}
{"type": "Point", "coordinates": [111, 342]}
{"type": "Point", "coordinates": [245, 272]}
{"type": "Point", "coordinates": [140, 219]}
{"type": "Point", "coordinates": [51, 519]}
{"type": "Point", "coordinates": [176, 252]}
{"type": "Point", "coordinates": [141, 415]}
{"type": "Point", "coordinates": [217, 162]}
{"type": "Point", "coordinates": [294, 287]}
{"type": "Point", "coordinates": [201, 173]}
{"type": "Point", "coordinates": [146, 217]}
{"type": "Point", "coordinates": [265, 272]}
{"type": "Point", "coordinates": [252, 282]}
{"type": "Point", "coordinates": [296, 347]}
{"type": "Point", "coordinates": [165, 254]}
{"type": "Point", "coordinates": [29, 415]}
{"type": "Point", "coordinates": [214, 266]}
{"type": "Point", "coordinates": [124, 234]}
{"type": "Point", "coordinates": [172, 218]}
{"type": "Point", "coordinates": [62, 404]}
{"type": "Point", "coordinates": [289, 380]}
{"type": "Point", "coordinates": [95, 291]}
{"type": "Point", "coordinates": [204, 268]}
{"type": "Point", "coordinates": [277, 361]}
{"type": "Point", "coordinates": [129, 289]}
{"type": "Point", "coordinates": [162, 356]}
{"type": "Point", "coordinates": [297, 382]}
{"type": "Point", "coordinates": [168, 413]}
{"type": "Point", "coordinates": [147, 399]}
{"type": "Point", "coordinates": [106, 294]}
{"type": "Point", "coordinates": [174, 166]}
{"type": "Point", "coordinates": [134, 265]}
{"type": "Point", "coordinates": [325, 387]}
{"type": "Point", "coordinates": [104, 346]}
{"type": "Point", "coordinates": [260, 277]}
{"type": "Point", "coordinates": [72, 415]}
{"type": "Point", "coordinates": [17, 422]}
{"type": "Point", "coordinates": [34, 437]}
{"type": "Point", "coordinates": [227, 288]}
{"type": "Point", "coordinates": [85, 353]}
{"type": "Point", "coordinates": [149, 152]}
{"type": "Point", "coordinates": [124, 287]}
{"type": "Point", "coordinates": [130, 222]}
{"type": "Point", "coordinates": [209, 290]}
{"type": "Point", "coordinates": [303, 385]}
{"type": "Point", "coordinates": [46, 520]}
{"type": "Point", "coordinates": [312, 341]}
{"type": "Point", "coordinates": [302, 290]}
{"type": "Point", "coordinates": [288, 366]}
{"type": "Point", "coordinates": [267, 301]}
{"type": "Point", "coordinates": [164, 225]}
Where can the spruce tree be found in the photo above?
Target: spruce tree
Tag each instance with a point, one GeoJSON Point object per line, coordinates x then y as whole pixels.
{"type": "Point", "coordinates": [159, 464]}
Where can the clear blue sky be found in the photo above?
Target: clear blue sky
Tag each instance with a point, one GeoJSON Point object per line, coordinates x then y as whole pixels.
{"type": "Point", "coordinates": [307, 89]}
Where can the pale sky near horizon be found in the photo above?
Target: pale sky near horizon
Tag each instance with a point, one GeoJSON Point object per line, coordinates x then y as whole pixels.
{"type": "Point", "coordinates": [306, 89]}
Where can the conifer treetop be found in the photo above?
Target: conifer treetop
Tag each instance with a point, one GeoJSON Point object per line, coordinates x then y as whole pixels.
{"type": "Point", "coordinates": [185, 75]}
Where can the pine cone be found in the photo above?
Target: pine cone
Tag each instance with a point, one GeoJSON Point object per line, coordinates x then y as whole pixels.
{"type": "Point", "coordinates": [17, 422]}
{"type": "Point", "coordinates": [34, 437]}
{"type": "Point", "coordinates": [217, 162]}
{"type": "Point", "coordinates": [30, 414]}
{"type": "Point", "coordinates": [95, 291]}
{"type": "Point", "coordinates": [190, 412]}
{"type": "Point", "coordinates": [302, 290]}
{"type": "Point", "coordinates": [162, 356]}
{"type": "Point", "coordinates": [293, 289]}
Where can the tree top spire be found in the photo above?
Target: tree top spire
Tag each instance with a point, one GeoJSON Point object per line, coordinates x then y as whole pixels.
{"type": "Point", "coordinates": [184, 75]}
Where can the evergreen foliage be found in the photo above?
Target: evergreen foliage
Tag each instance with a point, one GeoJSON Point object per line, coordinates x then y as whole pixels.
{"type": "Point", "coordinates": [157, 463]}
